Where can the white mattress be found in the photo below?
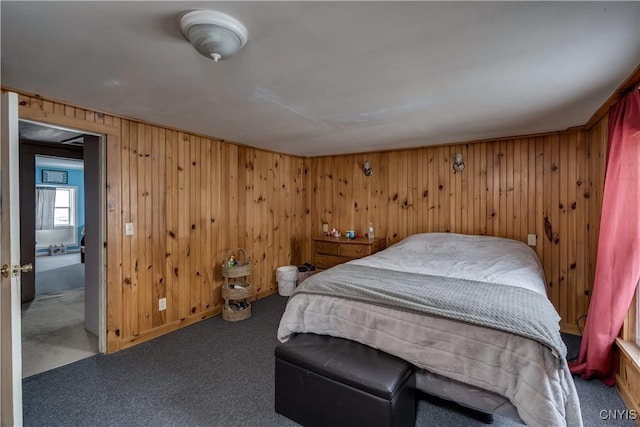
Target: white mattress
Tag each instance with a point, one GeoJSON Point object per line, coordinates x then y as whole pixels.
{"type": "Point", "coordinates": [523, 371]}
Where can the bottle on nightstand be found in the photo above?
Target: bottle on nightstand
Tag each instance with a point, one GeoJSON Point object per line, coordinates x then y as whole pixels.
{"type": "Point", "coordinates": [370, 232]}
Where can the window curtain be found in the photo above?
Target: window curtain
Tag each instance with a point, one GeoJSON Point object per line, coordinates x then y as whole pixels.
{"type": "Point", "coordinates": [618, 263]}
{"type": "Point", "coordinates": [45, 208]}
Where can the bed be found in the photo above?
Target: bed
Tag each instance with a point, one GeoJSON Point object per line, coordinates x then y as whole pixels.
{"type": "Point", "coordinates": [470, 312]}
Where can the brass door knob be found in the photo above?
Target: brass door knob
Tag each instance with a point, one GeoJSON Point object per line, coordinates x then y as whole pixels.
{"type": "Point", "coordinates": [26, 268]}
{"type": "Point", "coordinates": [16, 269]}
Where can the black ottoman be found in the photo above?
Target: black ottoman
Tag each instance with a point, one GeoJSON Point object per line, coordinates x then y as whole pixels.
{"type": "Point", "coordinates": [327, 381]}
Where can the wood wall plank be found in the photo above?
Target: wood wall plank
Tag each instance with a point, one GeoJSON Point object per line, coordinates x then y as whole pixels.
{"type": "Point", "coordinates": [127, 273]}
{"type": "Point", "coordinates": [114, 245]}
{"type": "Point", "coordinates": [171, 208]}
{"type": "Point", "coordinates": [142, 226]}
{"type": "Point", "coordinates": [131, 315]}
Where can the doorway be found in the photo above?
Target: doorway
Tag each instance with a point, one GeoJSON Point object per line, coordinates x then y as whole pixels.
{"type": "Point", "coordinates": [60, 301]}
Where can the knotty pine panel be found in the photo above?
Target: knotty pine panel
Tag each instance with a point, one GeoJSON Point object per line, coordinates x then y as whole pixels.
{"type": "Point", "coordinates": [546, 185]}
{"type": "Point", "coordinates": [191, 199]}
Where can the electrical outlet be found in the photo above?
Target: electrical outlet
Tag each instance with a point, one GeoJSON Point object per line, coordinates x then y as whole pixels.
{"type": "Point", "coordinates": [162, 304]}
{"type": "Point", "coordinates": [532, 240]}
{"type": "Point", "coordinates": [128, 229]}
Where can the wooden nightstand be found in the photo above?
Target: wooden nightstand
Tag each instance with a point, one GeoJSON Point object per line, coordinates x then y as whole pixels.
{"type": "Point", "coordinates": [330, 251]}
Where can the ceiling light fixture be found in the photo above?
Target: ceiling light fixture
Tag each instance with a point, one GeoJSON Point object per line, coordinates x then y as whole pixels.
{"type": "Point", "coordinates": [215, 35]}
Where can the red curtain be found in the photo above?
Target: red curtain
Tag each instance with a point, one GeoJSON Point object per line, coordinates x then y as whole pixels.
{"type": "Point", "coordinates": [618, 264]}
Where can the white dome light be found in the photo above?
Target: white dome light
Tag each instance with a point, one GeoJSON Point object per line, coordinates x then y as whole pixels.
{"type": "Point", "coordinates": [215, 35]}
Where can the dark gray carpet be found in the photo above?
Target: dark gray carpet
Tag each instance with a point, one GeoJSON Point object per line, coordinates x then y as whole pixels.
{"type": "Point", "coordinates": [214, 373]}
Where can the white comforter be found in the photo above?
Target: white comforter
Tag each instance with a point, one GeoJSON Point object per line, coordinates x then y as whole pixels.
{"type": "Point", "coordinates": [482, 258]}
{"type": "Point", "coordinates": [518, 368]}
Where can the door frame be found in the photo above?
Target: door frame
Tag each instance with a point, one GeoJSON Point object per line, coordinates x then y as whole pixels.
{"type": "Point", "coordinates": [101, 221]}
{"type": "Point", "coordinates": [28, 152]}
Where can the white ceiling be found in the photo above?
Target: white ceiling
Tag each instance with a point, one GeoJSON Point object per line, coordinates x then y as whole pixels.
{"type": "Point", "coordinates": [321, 78]}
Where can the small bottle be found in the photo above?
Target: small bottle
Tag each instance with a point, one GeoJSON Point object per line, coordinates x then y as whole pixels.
{"type": "Point", "coordinates": [370, 231]}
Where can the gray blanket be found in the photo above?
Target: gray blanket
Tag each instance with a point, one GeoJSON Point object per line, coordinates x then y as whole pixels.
{"type": "Point", "coordinates": [506, 308]}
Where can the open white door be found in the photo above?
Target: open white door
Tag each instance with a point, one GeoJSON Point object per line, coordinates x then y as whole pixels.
{"type": "Point", "coordinates": [10, 339]}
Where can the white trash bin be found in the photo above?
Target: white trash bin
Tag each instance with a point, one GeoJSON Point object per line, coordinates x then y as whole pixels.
{"type": "Point", "coordinates": [287, 276]}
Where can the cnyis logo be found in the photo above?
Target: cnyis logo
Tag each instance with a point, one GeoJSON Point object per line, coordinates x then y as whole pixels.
{"type": "Point", "coordinates": [618, 414]}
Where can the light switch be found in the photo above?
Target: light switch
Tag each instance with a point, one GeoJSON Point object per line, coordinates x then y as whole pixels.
{"type": "Point", "coordinates": [128, 229]}
{"type": "Point", "coordinates": [532, 239]}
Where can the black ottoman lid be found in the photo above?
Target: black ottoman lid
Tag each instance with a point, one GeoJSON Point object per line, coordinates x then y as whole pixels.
{"type": "Point", "coordinates": [347, 362]}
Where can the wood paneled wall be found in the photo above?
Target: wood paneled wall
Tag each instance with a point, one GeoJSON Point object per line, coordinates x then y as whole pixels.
{"type": "Point", "coordinates": [546, 185]}
{"type": "Point", "coordinates": [191, 199]}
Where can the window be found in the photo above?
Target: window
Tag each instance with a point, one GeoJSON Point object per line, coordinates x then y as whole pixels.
{"type": "Point", "coordinates": [55, 207]}
{"type": "Point", "coordinates": [63, 210]}
{"type": "Point", "coordinates": [56, 219]}
{"type": "Point", "coordinates": [630, 332]}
